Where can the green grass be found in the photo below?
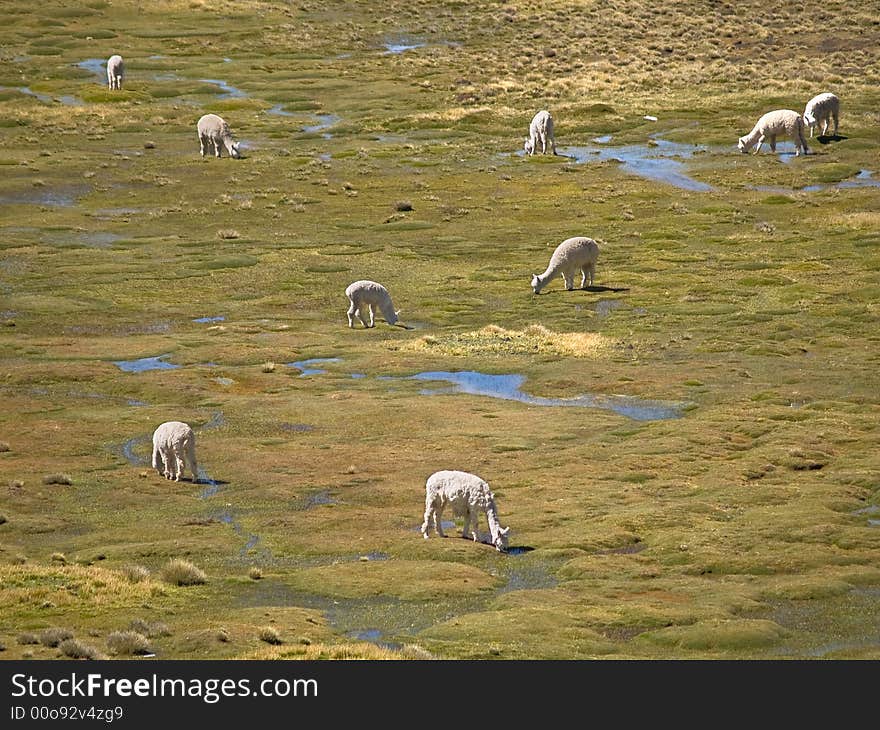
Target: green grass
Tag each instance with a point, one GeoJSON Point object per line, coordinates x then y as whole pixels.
{"type": "Point", "coordinates": [732, 531]}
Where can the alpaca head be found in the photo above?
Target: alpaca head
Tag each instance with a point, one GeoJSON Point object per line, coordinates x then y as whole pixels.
{"type": "Point", "coordinates": [500, 540]}
{"type": "Point", "coordinates": [528, 146]}
{"type": "Point", "coordinates": [809, 118]}
{"type": "Point", "coordinates": [536, 284]}
{"type": "Point", "coordinates": [233, 150]}
{"type": "Point", "coordinates": [392, 318]}
{"type": "Point", "coordinates": [742, 145]}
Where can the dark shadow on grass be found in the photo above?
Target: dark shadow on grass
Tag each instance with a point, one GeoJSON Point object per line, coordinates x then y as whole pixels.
{"type": "Point", "coordinates": [826, 139]}
{"type": "Point", "coordinates": [519, 550]}
{"type": "Point", "coordinates": [588, 288]}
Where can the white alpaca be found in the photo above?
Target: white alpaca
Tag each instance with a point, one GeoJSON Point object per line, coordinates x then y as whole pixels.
{"type": "Point", "coordinates": [174, 449]}
{"type": "Point", "coordinates": [779, 122]}
{"type": "Point", "coordinates": [363, 296]}
{"type": "Point", "coordinates": [214, 131]}
{"type": "Point", "coordinates": [822, 108]}
{"type": "Point", "coordinates": [115, 72]}
{"type": "Point", "coordinates": [571, 256]}
{"type": "Point", "coordinates": [540, 130]}
{"type": "Point", "coordinates": [469, 496]}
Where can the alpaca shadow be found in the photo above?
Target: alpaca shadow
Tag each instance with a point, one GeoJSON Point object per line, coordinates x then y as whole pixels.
{"type": "Point", "coordinates": [519, 550]}
{"type": "Point", "coordinates": [827, 138]}
{"type": "Point", "coordinates": [206, 481]}
{"type": "Point", "coordinates": [593, 288]}
{"type": "Point", "coordinates": [403, 326]}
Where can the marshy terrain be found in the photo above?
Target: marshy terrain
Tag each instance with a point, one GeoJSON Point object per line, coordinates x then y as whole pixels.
{"type": "Point", "coordinates": [686, 452]}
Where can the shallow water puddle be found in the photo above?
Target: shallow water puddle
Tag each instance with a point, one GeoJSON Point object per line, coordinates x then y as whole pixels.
{"type": "Point", "coordinates": [97, 66]}
{"type": "Point", "coordinates": [507, 387]}
{"type": "Point", "coordinates": [304, 366]}
{"type": "Point", "coordinates": [659, 160]}
{"type": "Point", "coordinates": [396, 48]}
{"type": "Point", "coordinates": [228, 92]}
{"type": "Point", "coordinates": [144, 364]}
{"type": "Point", "coordinates": [207, 320]}
{"type": "Point", "coordinates": [325, 121]}
{"type": "Point", "coordinates": [864, 179]}
{"type": "Point", "coordinates": [59, 197]}
{"type": "Point", "coordinates": [278, 110]}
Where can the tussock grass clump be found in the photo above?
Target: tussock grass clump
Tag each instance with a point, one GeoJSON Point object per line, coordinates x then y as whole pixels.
{"type": "Point", "coordinates": [534, 339]}
{"type": "Point", "coordinates": [270, 635]}
{"type": "Point", "coordinates": [269, 367]}
{"type": "Point", "coordinates": [228, 233]}
{"type": "Point", "coordinates": [57, 479]}
{"type": "Point", "coordinates": [123, 643]}
{"type": "Point", "coordinates": [53, 637]}
{"type": "Point", "coordinates": [16, 484]}
{"type": "Point", "coordinates": [151, 630]}
{"type": "Point", "coordinates": [3, 519]}
{"type": "Point", "coordinates": [58, 558]}
{"type": "Point", "coordinates": [28, 638]}
{"type": "Point", "coordinates": [183, 573]}
{"type": "Point", "coordinates": [3, 447]}
{"type": "Point", "coordinates": [77, 650]}
{"type": "Point", "coordinates": [135, 573]}
{"type": "Point", "coordinates": [401, 206]}
{"type": "Point", "coordinates": [255, 573]}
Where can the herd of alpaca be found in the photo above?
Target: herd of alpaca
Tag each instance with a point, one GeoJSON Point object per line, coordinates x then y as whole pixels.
{"type": "Point", "coordinates": [467, 494]}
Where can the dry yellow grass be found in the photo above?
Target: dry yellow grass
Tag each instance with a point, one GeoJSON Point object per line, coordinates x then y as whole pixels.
{"type": "Point", "coordinates": [26, 586]}
{"type": "Point", "coordinates": [534, 339]}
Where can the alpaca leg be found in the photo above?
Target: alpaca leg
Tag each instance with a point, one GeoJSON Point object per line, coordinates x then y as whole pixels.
{"type": "Point", "coordinates": [351, 310]}
{"type": "Point", "coordinates": [429, 519]}
{"type": "Point", "coordinates": [553, 146]}
{"type": "Point", "coordinates": [201, 145]}
{"type": "Point", "coordinates": [466, 527]}
{"type": "Point", "coordinates": [773, 143]}
{"type": "Point", "coordinates": [193, 464]}
{"type": "Point", "coordinates": [372, 317]}
{"type": "Point", "coordinates": [835, 124]}
{"type": "Point", "coordinates": [569, 280]}
{"type": "Point", "coordinates": [360, 316]}
{"type": "Point", "coordinates": [438, 519]}
{"type": "Point", "coordinates": [217, 147]}
{"type": "Point", "coordinates": [168, 461]}
{"type": "Point", "coordinates": [179, 465]}
{"type": "Point", "coordinates": [758, 145]}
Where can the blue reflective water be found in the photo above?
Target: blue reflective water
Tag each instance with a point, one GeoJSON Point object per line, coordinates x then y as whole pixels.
{"type": "Point", "coordinates": [660, 160]}
{"type": "Point", "coordinates": [325, 121]}
{"type": "Point", "coordinates": [304, 365]}
{"type": "Point", "coordinates": [394, 48]}
{"type": "Point", "coordinates": [508, 387]}
{"type": "Point", "coordinates": [145, 363]}
{"type": "Point", "coordinates": [279, 110]}
{"type": "Point", "coordinates": [206, 320]}
{"type": "Point", "coordinates": [229, 92]}
{"type": "Point", "coordinates": [97, 66]}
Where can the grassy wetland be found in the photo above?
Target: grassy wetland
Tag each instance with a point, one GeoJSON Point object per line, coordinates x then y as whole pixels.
{"type": "Point", "coordinates": [688, 459]}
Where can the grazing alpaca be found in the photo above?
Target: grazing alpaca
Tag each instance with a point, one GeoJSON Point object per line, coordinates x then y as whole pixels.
{"type": "Point", "coordinates": [822, 108]}
{"type": "Point", "coordinates": [540, 130]}
{"type": "Point", "coordinates": [363, 296]}
{"type": "Point", "coordinates": [174, 449]}
{"type": "Point", "coordinates": [772, 124]}
{"type": "Point", "coordinates": [115, 72]}
{"type": "Point", "coordinates": [469, 496]}
{"type": "Point", "coordinates": [214, 132]}
{"type": "Point", "coordinates": [571, 256]}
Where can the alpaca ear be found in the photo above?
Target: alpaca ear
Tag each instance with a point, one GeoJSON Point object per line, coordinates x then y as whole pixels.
{"type": "Point", "coordinates": [397, 313]}
{"type": "Point", "coordinates": [505, 530]}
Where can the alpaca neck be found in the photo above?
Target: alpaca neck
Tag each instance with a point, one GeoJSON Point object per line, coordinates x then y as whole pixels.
{"type": "Point", "coordinates": [492, 518]}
